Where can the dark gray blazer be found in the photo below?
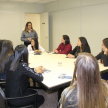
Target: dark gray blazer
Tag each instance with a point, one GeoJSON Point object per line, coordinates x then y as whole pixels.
{"type": "Point", "coordinates": [26, 35]}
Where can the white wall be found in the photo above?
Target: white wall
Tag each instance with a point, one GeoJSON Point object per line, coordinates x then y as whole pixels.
{"type": "Point", "coordinates": [77, 18]}
{"type": "Point", "coordinates": [12, 19]}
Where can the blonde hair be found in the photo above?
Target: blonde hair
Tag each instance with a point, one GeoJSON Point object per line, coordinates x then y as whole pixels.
{"type": "Point", "coordinates": [92, 91]}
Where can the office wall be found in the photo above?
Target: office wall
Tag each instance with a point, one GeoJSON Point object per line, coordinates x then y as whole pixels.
{"type": "Point", "coordinates": [12, 19]}
{"type": "Point", "coordinates": [77, 18]}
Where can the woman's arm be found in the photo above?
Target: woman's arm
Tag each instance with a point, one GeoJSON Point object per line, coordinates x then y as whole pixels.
{"type": "Point", "coordinates": [98, 56]}
{"type": "Point", "coordinates": [35, 34]}
{"type": "Point", "coordinates": [67, 49]}
{"type": "Point", "coordinates": [27, 71]}
{"type": "Point", "coordinates": [23, 38]}
{"type": "Point", "coordinates": [59, 47]}
{"type": "Point", "coordinates": [60, 105]}
{"type": "Point", "coordinates": [105, 59]}
{"type": "Point", "coordinates": [73, 51]}
{"type": "Point", "coordinates": [30, 50]}
{"type": "Point", "coordinates": [41, 49]}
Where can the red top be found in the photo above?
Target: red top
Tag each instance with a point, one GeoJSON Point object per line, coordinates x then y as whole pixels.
{"type": "Point", "coordinates": [64, 49]}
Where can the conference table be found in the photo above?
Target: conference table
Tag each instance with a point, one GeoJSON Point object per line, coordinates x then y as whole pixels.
{"type": "Point", "coordinates": [57, 64]}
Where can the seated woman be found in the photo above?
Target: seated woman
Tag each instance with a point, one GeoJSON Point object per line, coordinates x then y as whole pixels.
{"type": "Point", "coordinates": [82, 46]}
{"type": "Point", "coordinates": [87, 90]}
{"type": "Point", "coordinates": [65, 47]}
{"type": "Point", "coordinates": [5, 56]}
{"type": "Point", "coordinates": [34, 47]}
{"type": "Point", "coordinates": [103, 56]}
{"type": "Point", "coordinates": [17, 79]}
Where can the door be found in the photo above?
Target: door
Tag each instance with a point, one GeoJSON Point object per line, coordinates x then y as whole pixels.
{"type": "Point", "coordinates": [44, 31]}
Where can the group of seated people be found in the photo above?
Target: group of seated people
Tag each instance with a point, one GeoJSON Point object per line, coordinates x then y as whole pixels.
{"type": "Point", "coordinates": [87, 90]}
{"type": "Point", "coordinates": [82, 46]}
{"type": "Point", "coordinates": [14, 69]}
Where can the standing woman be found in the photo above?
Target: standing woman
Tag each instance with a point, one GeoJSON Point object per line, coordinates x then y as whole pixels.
{"type": "Point", "coordinates": [28, 33]}
{"type": "Point", "coordinates": [103, 55]}
{"type": "Point", "coordinates": [82, 46]}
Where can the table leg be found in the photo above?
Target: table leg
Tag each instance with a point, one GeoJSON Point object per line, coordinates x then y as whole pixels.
{"type": "Point", "coordinates": [59, 93]}
{"type": "Point", "coordinates": [60, 90]}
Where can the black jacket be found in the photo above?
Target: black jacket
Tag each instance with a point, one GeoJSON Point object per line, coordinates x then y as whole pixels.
{"type": "Point", "coordinates": [75, 52]}
{"type": "Point", "coordinates": [103, 57]}
{"type": "Point", "coordinates": [17, 81]}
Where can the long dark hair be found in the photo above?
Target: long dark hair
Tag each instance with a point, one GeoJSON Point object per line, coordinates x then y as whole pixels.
{"type": "Point", "coordinates": [67, 39]}
{"type": "Point", "coordinates": [21, 54]}
{"type": "Point", "coordinates": [26, 27]}
{"type": "Point", "coordinates": [36, 43]}
{"type": "Point", "coordinates": [105, 42]}
{"type": "Point", "coordinates": [84, 43]}
{"type": "Point", "coordinates": [7, 50]}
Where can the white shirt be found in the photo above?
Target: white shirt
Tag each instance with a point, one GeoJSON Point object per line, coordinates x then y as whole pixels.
{"type": "Point", "coordinates": [30, 50]}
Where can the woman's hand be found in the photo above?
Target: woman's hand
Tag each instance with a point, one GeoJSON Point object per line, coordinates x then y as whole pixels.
{"type": "Point", "coordinates": [56, 51]}
{"type": "Point", "coordinates": [106, 51]}
{"type": "Point", "coordinates": [61, 106]}
{"type": "Point", "coordinates": [70, 56]}
{"type": "Point", "coordinates": [38, 51]}
{"type": "Point", "coordinates": [29, 39]}
{"type": "Point", "coordinates": [39, 69]}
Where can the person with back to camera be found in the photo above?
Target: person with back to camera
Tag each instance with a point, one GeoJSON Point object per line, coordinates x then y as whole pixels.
{"type": "Point", "coordinates": [18, 73]}
{"type": "Point", "coordinates": [7, 55]}
{"type": "Point", "coordinates": [87, 89]}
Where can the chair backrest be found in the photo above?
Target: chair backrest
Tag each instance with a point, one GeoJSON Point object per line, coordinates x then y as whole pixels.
{"type": "Point", "coordinates": [2, 98]}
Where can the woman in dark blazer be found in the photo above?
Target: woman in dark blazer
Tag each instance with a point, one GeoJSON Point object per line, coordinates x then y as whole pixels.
{"type": "Point", "coordinates": [28, 34]}
{"type": "Point", "coordinates": [103, 55]}
{"type": "Point", "coordinates": [18, 74]}
{"type": "Point", "coordinates": [82, 46]}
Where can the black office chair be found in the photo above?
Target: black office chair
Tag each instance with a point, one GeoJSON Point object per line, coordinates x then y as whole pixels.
{"type": "Point", "coordinates": [104, 75]}
{"type": "Point", "coordinates": [2, 105]}
{"type": "Point", "coordinates": [4, 102]}
{"type": "Point", "coordinates": [2, 84]}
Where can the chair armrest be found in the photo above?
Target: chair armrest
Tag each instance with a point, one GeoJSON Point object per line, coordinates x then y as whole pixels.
{"type": "Point", "coordinates": [35, 104]}
{"type": "Point", "coordinates": [21, 97]}
{"type": "Point", "coordinates": [2, 80]}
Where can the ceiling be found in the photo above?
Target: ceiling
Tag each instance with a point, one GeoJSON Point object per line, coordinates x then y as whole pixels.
{"type": "Point", "coordinates": [30, 1]}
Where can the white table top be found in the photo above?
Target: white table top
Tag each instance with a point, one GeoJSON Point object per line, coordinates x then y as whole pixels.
{"type": "Point", "coordinates": [50, 62]}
